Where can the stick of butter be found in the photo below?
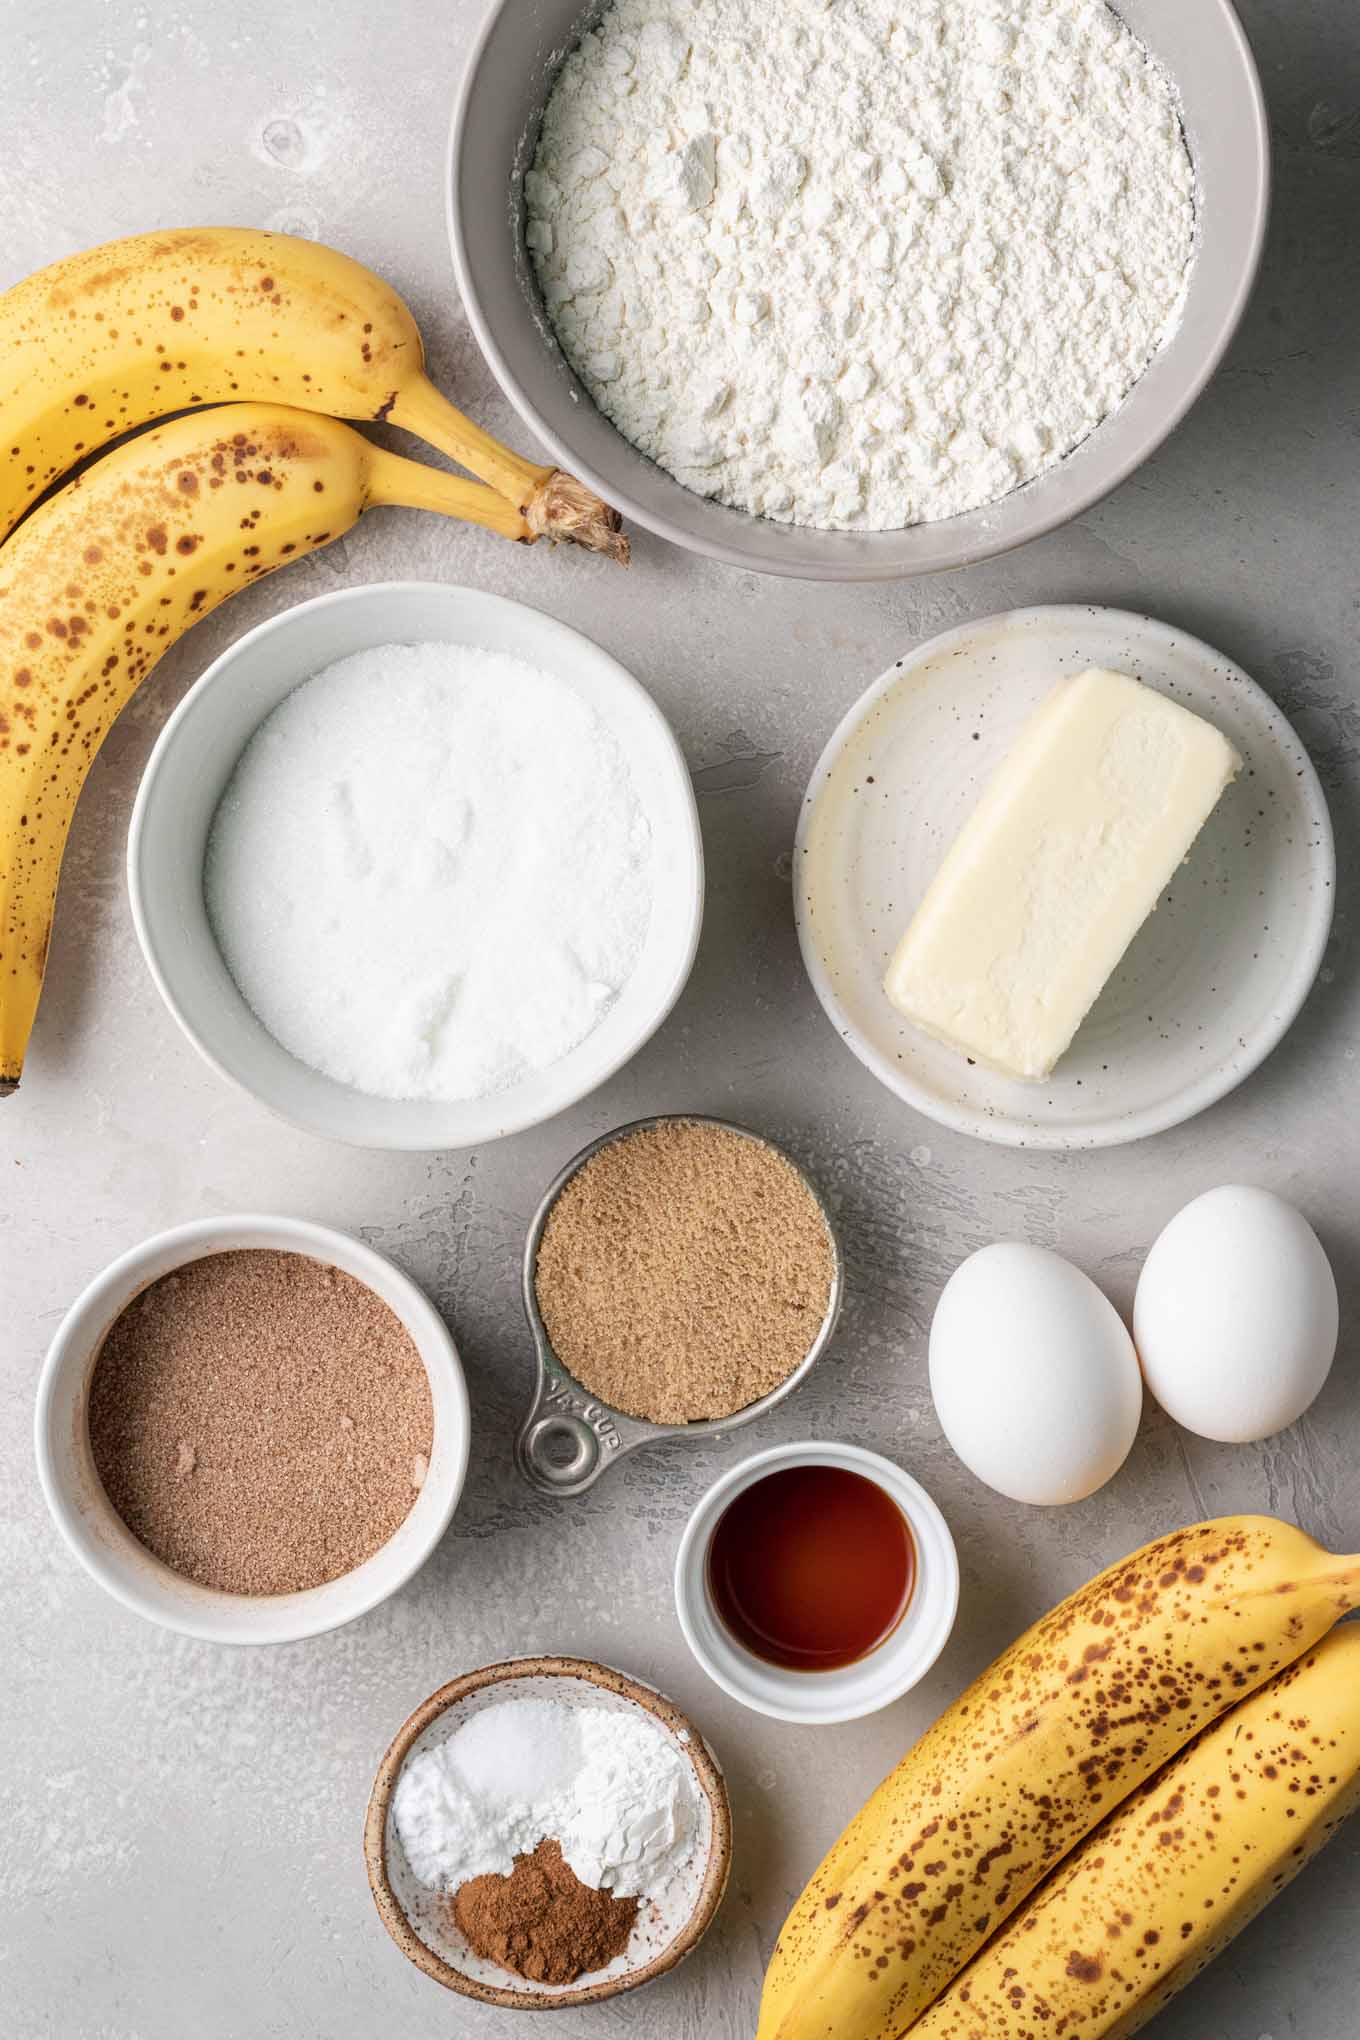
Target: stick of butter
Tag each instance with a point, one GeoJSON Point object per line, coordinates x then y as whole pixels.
{"type": "Point", "coordinates": [1056, 870]}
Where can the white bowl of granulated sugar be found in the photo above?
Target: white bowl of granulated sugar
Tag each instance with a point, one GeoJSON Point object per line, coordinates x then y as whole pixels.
{"type": "Point", "coordinates": [547, 1833]}
{"type": "Point", "coordinates": [416, 866]}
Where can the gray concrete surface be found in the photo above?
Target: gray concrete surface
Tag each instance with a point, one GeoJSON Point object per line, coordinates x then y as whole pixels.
{"type": "Point", "coordinates": [180, 1851]}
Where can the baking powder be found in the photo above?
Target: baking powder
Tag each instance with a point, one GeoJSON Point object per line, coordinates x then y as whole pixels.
{"type": "Point", "coordinates": [860, 263]}
{"type": "Point", "coordinates": [608, 1784]}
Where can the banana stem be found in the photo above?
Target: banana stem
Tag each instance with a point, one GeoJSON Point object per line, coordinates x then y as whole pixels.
{"type": "Point", "coordinates": [392, 479]}
{"type": "Point", "coordinates": [420, 408]}
{"type": "Point", "coordinates": [553, 504]}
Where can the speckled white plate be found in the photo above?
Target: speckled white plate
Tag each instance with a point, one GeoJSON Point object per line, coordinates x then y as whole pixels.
{"type": "Point", "coordinates": [668, 1925]}
{"type": "Point", "coordinates": [1213, 979]}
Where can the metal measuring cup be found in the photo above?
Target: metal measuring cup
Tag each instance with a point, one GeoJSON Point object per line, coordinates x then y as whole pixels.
{"type": "Point", "coordinates": [569, 1438]}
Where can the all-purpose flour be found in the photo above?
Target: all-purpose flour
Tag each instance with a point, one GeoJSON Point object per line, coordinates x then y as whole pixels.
{"type": "Point", "coordinates": [860, 263]}
{"type": "Point", "coordinates": [430, 872]}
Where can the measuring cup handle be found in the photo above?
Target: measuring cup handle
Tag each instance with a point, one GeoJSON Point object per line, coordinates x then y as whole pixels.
{"type": "Point", "coordinates": [567, 1440]}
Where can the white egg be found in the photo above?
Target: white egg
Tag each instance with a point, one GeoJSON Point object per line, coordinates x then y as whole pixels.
{"type": "Point", "coordinates": [1235, 1319]}
{"type": "Point", "coordinates": [1034, 1376]}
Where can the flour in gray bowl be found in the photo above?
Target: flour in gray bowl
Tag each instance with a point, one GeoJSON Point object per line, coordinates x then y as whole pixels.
{"type": "Point", "coordinates": [862, 265]}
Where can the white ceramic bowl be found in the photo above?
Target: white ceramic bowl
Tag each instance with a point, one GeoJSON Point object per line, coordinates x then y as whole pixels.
{"type": "Point", "coordinates": [494, 132]}
{"type": "Point", "coordinates": [900, 1662]}
{"type": "Point", "coordinates": [189, 769]}
{"type": "Point", "coordinates": [1207, 987]}
{"type": "Point", "coordinates": [108, 1550]}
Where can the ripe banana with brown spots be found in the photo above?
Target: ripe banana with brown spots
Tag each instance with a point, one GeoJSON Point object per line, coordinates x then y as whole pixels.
{"type": "Point", "coordinates": [1087, 1706]}
{"type": "Point", "coordinates": [104, 577]}
{"type": "Point", "coordinates": [1169, 1879]}
{"type": "Point", "coordinates": [110, 339]}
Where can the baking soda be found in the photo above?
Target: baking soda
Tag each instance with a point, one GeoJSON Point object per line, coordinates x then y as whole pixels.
{"type": "Point", "coordinates": [608, 1784]}
{"type": "Point", "coordinates": [430, 873]}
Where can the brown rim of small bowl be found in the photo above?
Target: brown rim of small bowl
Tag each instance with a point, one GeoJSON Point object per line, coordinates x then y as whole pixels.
{"type": "Point", "coordinates": [375, 1833]}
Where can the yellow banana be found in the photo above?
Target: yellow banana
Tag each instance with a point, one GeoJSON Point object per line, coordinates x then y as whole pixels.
{"type": "Point", "coordinates": [1165, 1883]}
{"type": "Point", "coordinates": [106, 576]}
{"type": "Point", "coordinates": [1073, 1718]}
{"type": "Point", "coordinates": [110, 339]}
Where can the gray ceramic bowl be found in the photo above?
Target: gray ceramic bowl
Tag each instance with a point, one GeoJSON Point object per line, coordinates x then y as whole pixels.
{"type": "Point", "coordinates": [495, 126]}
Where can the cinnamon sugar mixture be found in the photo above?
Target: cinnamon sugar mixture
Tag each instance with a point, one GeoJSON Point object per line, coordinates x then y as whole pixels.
{"type": "Point", "coordinates": [261, 1422]}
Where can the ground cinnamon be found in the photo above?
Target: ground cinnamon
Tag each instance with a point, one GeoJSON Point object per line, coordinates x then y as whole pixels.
{"type": "Point", "coordinates": [541, 1921]}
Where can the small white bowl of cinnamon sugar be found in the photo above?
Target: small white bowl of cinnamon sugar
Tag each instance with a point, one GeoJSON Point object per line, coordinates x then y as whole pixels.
{"type": "Point", "coordinates": [252, 1429]}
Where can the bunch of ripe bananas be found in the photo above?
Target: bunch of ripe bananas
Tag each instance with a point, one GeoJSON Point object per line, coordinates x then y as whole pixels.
{"type": "Point", "coordinates": [104, 576]}
{"type": "Point", "coordinates": [1100, 1813]}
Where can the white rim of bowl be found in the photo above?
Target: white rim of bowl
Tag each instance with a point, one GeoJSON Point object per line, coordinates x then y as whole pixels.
{"type": "Point", "coordinates": [929, 1530]}
{"type": "Point", "coordinates": [297, 1235]}
{"type": "Point", "coordinates": [512, 1122]}
{"type": "Point", "coordinates": [1194, 1098]}
{"type": "Point", "coordinates": [810, 570]}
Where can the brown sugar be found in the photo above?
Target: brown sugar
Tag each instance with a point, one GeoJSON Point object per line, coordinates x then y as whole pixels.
{"type": "Point", "coordinates": [541, 1921]}
{"type": "Point", "coordinates": [260, 1422]}
{"type": "Point", "coordinates": [684, 1271]}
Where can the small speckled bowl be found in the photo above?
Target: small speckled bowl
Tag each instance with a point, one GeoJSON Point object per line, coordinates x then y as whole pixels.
{"type": "Point", "coordinates": [418, 1919]}
{"type": "Point", "coordinates": [1210, 983]}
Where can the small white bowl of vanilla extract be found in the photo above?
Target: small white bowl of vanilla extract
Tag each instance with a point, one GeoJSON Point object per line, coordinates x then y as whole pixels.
{"type": "Point", "coordinates": [817, 1582]}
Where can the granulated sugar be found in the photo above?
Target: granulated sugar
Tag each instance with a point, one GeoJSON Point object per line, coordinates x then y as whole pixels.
{"type": "Point", "coordinates": [430, 873]}
{"type": "Point", "coordinates": [260, 1422]}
